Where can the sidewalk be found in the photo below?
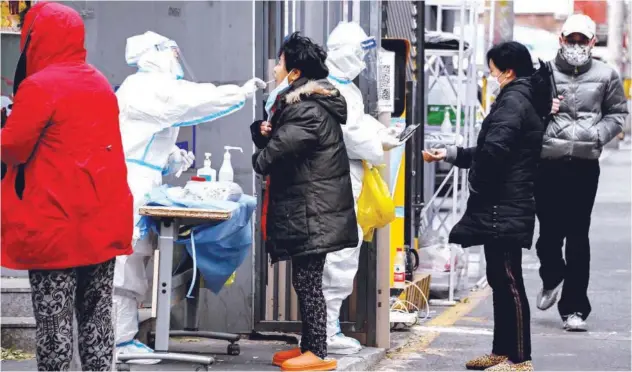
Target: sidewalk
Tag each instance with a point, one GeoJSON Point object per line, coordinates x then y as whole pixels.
{"type": "Point", "coordinates": [465, 330]}
{"type": "Point", "coordinates": [254, 356]}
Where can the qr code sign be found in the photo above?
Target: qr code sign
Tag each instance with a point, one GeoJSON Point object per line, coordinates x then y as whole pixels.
{"type": "Point", "coordinates": [385, 83]}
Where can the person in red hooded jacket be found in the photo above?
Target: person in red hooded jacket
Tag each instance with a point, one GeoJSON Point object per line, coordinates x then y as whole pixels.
{"type": "Point", "coordinates": [72, 214]}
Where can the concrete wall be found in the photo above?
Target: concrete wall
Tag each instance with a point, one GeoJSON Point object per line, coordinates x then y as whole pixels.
{"type": "Point", "coordinates": [10, 52]}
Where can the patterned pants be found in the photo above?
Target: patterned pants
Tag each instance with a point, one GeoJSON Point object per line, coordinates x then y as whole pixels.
{"type": "Point", "coordinates": [307, 279]}
{"type": "Point", "coordinates": [57, 295]}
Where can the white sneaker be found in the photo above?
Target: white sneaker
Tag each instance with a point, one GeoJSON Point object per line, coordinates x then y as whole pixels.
{"type": "Point", "coordinates": [136, 347]}
{"type": "Point", "coordinates": [575, 323]}
{"type": "Point", "coordinates": [343, 345]}
{"type": "Point", "coordinates": [548, 298]}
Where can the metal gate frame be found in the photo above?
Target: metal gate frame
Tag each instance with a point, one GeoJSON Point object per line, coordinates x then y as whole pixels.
{"type": "Point", "coordinates": [275, 303]}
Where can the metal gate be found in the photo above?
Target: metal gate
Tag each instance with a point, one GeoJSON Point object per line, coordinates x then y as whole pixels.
{"type": "Point", "coordinates": [275, 302]}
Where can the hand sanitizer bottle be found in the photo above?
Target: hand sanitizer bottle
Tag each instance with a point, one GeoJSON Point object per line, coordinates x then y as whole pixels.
{"type": "Point", "coordinates": [207, 172]}
{"type": "Point", "coordinates": [226, 173]}
{"type": "Point", "coordinates": [446, 126]}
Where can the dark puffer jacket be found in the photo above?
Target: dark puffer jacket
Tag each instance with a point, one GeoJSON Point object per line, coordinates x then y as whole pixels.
{"type": "Point", "coordinates": [501, 206]}
{"type": "Point", "coordinates": [311, 206]}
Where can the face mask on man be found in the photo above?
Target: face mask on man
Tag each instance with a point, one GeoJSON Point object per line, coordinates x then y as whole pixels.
{"type": "Point", "coordinates": [280, 89]}
{"type": "Point", "coordinates": [576, 54]}
{"type": "Point", "coordinates": [494, 85]}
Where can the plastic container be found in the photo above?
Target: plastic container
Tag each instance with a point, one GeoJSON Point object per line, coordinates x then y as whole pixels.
{"type": "Point", "coordinates": [226, 173]}
{"type": "Point", "coordinates": [446, 125]}
{"type": "Point", "coordinates": [399, 270]}
{"type": "Point", "coordinates": [206, 172]}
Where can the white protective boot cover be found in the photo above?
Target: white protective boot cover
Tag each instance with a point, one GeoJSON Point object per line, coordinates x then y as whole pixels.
{"type": "Point", "coordinates": [126, 315]}
{"type": "Point", "coordinates": [338, 276]}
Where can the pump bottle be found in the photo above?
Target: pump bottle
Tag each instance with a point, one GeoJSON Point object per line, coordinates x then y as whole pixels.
{"type": "Point", "coordinates": [226, 173]}
{"type": "Point", "coordinates": [446, 126]}
{"type": "Point", "coordinates": [207, 172]}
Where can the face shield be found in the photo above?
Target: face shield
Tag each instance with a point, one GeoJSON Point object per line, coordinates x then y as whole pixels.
{"type": "Point", "coordinates": [174, 60]}
{"type": "Point", "coordinates": [151, 52]}
{"type": "Point", "coordinates": [369, 47]}
{"type": "Point", "coordinates": [352, 52]}
{"type": "Point", "coordinates": [353, 60]}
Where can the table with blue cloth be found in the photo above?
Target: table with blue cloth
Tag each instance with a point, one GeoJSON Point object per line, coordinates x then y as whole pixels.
{"type": "Point", "coordinates": [218, 237]}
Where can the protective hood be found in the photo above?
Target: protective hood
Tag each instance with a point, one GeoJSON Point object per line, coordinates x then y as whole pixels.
{"type": "Point", "coordinates": [52, 33]}
{"type": "Point", "coordinates": [151, 52]}
{"type": "Point", "coordinates": [347, 47]}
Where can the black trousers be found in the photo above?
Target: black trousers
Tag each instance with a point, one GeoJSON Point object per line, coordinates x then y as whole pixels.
{"type": "Point", "coordinates": [565, 195]}
{"type": "Point", "coordinates": [57, 296]}
{"type": "Point", "coordinates": [512, 319]}
{"type": "Point", "coordinates": [307, 279]}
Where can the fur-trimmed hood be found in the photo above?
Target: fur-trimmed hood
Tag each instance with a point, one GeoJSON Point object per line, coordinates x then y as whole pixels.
{"type": "Point", "coordinates": [321, 91]}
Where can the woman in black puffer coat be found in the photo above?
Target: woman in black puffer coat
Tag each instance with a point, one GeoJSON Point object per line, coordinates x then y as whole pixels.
{"type": "Point", "coordinates": [308, 204]}
{"type": "Point", "coordinates": [500, 211]}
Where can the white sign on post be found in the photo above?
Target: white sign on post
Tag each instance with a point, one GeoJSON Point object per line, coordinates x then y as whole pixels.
{"type": "Point", "coordinates": [386, 81]}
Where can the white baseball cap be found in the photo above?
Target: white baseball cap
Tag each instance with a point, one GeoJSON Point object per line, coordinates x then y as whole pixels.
{"type": "Point", "coordinates": [581, 24]}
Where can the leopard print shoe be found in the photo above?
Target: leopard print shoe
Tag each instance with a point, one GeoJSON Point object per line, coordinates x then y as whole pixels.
{"type": "Point", "coordinates": [504, 366]}
{"type": "Point", "coordinates": [485, 362]}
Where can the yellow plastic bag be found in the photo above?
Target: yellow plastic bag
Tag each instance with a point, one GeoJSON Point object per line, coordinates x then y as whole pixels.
{"type": "Point", "coordinates": [376, 207]}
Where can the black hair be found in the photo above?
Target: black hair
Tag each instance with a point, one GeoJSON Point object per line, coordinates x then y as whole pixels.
{"type": "Point", "coordinates": [23, 13]}
{"type": "Point", "coordinates": [302, 53]}
{"type": "Point", "coordinates": [511, 55]}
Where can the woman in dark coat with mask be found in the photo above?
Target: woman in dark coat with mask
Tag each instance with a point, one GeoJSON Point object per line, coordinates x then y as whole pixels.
{"type": "Point", "coordinates": [500, 211]}
{"type": "Point", "coordinates": [308, 204]}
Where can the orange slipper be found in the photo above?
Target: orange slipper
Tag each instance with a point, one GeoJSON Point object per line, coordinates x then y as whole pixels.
{"type": "Point", "coordinates": [309, 362]}
{"type": "Point", "coordinates": [282, 356]}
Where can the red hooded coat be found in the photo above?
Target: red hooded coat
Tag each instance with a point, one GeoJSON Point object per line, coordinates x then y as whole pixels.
{"type": "Point", "coordinates": [76, 208]}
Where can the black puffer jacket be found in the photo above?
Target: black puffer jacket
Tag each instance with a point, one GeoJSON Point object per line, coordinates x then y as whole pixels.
{"type": "Point", "coordinates": [501, 206]}
{"type": "Point", "coordinates": [311, 206]}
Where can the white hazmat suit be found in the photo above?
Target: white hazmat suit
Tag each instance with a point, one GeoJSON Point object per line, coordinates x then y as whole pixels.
{"type": "Point", "coordinates": [154, 103]}
{"type": "Point", "coordinates": [365, 139]}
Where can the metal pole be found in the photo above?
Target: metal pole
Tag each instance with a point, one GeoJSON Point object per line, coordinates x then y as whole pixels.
{"type": "Point", "coordinates": [368, 13]}
{"type": "Point", "coordinates": [616, 15]}
{"type": "Point", "coordinates": [409, 171]}
{"type": "Point", "coordinates": [455, 184]}
{"type": "Point", "coordinates": [420, 117]}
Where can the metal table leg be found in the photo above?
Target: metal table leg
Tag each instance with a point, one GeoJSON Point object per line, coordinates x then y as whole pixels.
{"type": "Point", "coordinates": [191, 320]}
{"type": "Point", "coordinates": [191, 323]}
{"type": "Point", "coordinates": [163, 313]}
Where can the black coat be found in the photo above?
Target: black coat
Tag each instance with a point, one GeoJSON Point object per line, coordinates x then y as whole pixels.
{"type": "Point", "coordinates": [311, 208]}
{"type": "Point", "coordinates": [501, 206]}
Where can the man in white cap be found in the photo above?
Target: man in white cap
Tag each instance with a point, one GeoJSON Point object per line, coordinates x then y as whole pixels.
{"type": "Point", "coordinates": [589, 113]}
{"type": "Point", "coordinates": [154, 103]}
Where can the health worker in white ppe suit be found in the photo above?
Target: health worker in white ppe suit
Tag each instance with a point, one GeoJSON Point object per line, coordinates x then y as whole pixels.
{"type": "Point", "coordinates": [154, 103]}
{"type": "Point", "coordinates": [350, 52]}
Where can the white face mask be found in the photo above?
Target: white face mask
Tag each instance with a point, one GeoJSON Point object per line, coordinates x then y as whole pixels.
{"type": "Point", "coordinates": [575, 54]}
{"type": "Point", "coordinates": [493, 85]}
{"type": "Point", "coordinates": [282, 87]}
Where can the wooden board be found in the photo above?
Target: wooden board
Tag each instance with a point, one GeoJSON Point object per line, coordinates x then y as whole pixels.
{"type": "Point", "coordinates": [177, 212]}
